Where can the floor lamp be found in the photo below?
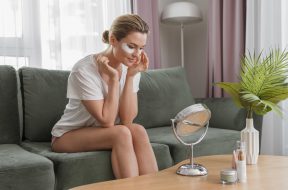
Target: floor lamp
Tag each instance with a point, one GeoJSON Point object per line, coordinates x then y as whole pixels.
{"type": "Point", "coordinates": [181, 13]}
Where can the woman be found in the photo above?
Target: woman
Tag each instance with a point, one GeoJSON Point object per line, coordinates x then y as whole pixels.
{"type": "Point", "coordinates": [102, 91]}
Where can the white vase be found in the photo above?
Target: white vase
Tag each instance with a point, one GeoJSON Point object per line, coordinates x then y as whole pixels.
{"type": "Point", "coordinates": [251, 138]}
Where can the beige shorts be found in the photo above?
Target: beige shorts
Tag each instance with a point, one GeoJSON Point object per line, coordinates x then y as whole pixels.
{"type": "Point", "coordinates": [53, 140]}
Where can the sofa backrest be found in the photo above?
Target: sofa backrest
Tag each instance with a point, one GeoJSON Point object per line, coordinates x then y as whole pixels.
{"type": "Point", "coordinates": [44, 99]}
{"type": "Point", "coordinates": [226, 115]}
{"type": "Point", "coordinates": [9, 115]}
{"type": "Point", "coordinates": [163, 93]}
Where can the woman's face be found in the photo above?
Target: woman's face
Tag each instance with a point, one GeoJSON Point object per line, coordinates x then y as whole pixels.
{"type": "Point", "coordinates": [129, 49]}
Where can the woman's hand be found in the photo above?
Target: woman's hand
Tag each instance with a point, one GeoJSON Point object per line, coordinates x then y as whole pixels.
{"type": "Point", "coordinates": [141, 65]}
{"type": "Point", "coordinates": [106, 69]}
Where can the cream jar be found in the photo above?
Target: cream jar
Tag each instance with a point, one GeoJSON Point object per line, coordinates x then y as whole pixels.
{"type": "Point", "coordinates": [228, 176]}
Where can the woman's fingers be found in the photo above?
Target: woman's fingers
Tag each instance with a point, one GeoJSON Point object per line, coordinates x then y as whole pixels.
{"type": "Point", "coordinates": [103, 59]}
{"type": "Point", "coordinates": [144, 61]}
{"type": "Point", "coordinates": [105, 68]}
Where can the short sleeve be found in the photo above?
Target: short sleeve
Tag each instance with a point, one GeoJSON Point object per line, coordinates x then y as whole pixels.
{"type": "Point", "coordinates": [136, 82]}
{"type": "Point", "coordinates": [84, 86]}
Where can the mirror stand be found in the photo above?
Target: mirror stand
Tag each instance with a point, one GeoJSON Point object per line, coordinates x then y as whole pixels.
{"type": "Point", "coordinates": [188, 118]}
{"type": "Point", "coordinates": [192, 169]}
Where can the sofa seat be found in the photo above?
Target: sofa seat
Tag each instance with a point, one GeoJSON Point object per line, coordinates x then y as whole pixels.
{"type": "Point", "coordinates": [74, 169]}
{"type": "Point", "coordinates": [20, 169]}
{"type": "Point", "coordinates": [216, 141]}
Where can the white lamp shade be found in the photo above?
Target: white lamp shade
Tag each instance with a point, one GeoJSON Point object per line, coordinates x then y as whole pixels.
{"type": "Point", "coordinates": [181, 12]}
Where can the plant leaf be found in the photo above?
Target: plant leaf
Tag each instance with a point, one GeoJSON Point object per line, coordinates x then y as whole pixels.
{"type": "Point", "coordinates": [261, 109]}
{"type": "Point", "coordinates": [249, 97]}
{"type": "Point", "coordinates": [277, 95]}
{"type": "Point", "coordinates": [263, 82]}
{"type": "Point", "coordinates": [274, 107]}
{"type": "Point", "coordinates": [278, 98]}
{"type": "Point", "coordinates": [232, 89]}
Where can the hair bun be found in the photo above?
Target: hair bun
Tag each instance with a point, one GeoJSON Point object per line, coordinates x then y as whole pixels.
{"type": "Point", "coordinates": [105, 37]}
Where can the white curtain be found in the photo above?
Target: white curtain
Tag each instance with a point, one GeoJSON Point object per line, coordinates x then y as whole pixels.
{"type": "Point", "coordinates": [54, 34]}
{"type": "Point", "coordinates": [266, 28]}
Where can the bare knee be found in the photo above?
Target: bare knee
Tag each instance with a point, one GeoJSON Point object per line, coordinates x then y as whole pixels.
{"type": "Point", "coordinates": [122, 136]}
{"type": "Point", "coordinates": [138, 132]}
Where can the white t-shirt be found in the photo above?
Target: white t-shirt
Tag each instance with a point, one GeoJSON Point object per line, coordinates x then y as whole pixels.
{"type": "Point", "coordinates": [86, 83]}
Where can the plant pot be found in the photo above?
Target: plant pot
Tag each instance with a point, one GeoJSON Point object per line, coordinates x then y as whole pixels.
{"type": "Point", "coordinates": [251, 138]}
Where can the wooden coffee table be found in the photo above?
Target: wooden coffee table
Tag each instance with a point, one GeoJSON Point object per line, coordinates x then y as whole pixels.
{"type": "Point", "coordinates": [270, 173]}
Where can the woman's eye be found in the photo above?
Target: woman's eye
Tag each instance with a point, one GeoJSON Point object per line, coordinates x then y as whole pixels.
{"type": "Point", "coordinates": [131, 47]}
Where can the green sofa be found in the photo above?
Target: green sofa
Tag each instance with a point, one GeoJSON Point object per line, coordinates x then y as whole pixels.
{"type": "Point", "coordinates": [32, 100]}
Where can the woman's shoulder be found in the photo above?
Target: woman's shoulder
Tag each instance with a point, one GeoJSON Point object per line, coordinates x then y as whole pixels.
{"type": "Point", "coordinates": [86, 63]}
{"type": "Point", "coordinates": [86, 69]}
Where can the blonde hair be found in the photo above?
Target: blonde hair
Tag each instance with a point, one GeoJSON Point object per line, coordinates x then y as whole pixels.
{"type": "Point", "coordinates": [125, 24]}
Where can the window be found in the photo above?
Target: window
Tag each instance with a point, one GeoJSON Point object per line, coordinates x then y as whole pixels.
{"type": "Point", "coordinates": [54, 34]}
{"type": "Point", "coordinates": [19, 37]}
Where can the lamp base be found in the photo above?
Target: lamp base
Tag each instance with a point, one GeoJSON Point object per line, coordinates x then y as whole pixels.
{"type": "Point", "coordinates": [192, 170]}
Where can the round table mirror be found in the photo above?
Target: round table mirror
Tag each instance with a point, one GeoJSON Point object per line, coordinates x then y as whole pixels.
{"type": "Point", "coordinates": [190, 126]}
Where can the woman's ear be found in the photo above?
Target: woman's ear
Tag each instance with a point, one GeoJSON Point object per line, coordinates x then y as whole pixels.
{"type": "Point", "coordinates": [112, 40]}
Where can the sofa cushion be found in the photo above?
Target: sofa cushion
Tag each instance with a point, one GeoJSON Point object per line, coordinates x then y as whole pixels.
{"type": "Point", "coordinates": [74, 169]}
{"type": "Point", "coordinates": [163, 93]}
{"type": "Point", "coordinates": [44, 100]}
{"type": "Point", "coordinates": [24, 170]}
{"type": "Point", "coordinates": [9, 115]}
{"type": "Point", "coordinates": [216, 141]}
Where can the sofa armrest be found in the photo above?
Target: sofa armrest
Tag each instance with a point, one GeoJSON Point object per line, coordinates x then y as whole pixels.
{"type": "Point", "coordinates": [226, 115]}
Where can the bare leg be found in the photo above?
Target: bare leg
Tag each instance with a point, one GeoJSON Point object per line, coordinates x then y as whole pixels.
{"type": "Point", "coordinates": [118, 138]}
{"type": "Point", "coordinates": [115, 164]}
{"type": "Point", "coordinates": [145, 156]}
{"type": "Point", "coordinates": [124, 149]}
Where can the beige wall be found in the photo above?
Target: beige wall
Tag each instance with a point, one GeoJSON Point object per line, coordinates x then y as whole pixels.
{"type": "Point", "coordinates": [195, 45]}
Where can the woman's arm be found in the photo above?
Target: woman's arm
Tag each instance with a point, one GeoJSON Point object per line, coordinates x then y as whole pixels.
{"type": "Point", "coordinates": [105, 111]}
{"type": "Point", "coordinates": [128, 106]}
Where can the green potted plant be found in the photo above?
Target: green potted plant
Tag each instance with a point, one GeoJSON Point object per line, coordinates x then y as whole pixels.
{"type": "Point", "coordinates": [263, 84]}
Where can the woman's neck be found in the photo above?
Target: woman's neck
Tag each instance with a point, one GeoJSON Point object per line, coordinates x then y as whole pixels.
{"type": "Point", "coordinates": [113, 62]}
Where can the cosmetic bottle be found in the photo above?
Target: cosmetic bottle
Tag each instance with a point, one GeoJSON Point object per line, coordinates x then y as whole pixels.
{"type": "Point", "coordinates": [234, 159]}
{"type": "Point", "coordinates": [241, 162]}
